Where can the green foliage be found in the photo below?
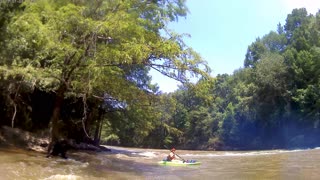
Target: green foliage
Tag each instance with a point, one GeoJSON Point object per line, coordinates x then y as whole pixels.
{"type": "Point", "coordinates": [99, 49]}
{"type": "Point", "coordinates": [271, 72]}
{"type": "Point", "coordinates": [275, 42]}
{"type": "Point", "coordinates": [254, 53]}
{"type": "Point", "coordinates": [271, 103]}
{"type": "Point", "coordinates": [298, 18]}
{"type": "Point", "coordinates": [96, 57]}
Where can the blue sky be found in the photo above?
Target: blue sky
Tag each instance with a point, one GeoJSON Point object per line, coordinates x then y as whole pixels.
{"type": "Point", "coordinates": [221, 30]}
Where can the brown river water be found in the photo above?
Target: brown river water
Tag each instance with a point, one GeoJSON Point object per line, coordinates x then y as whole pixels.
{"type": "Point", "coordinates": [134, 163]}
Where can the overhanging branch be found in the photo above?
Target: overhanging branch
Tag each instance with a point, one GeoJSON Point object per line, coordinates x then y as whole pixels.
{"type": "Point", "coordinates": [166, 74]}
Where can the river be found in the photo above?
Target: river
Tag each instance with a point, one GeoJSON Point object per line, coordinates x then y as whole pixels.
{"type": "Point", "coordinates": [134, 163]}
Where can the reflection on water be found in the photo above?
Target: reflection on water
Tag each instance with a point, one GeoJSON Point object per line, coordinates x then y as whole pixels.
{"type": "Point", "coordinates": [130, 163]}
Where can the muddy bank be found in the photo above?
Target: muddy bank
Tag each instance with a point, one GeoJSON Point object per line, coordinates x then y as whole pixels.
{"type": "Point", "coordinates": [14, 137]}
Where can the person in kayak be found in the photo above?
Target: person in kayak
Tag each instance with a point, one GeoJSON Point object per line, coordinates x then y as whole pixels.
{"type": "Point", "coordinates": [171, 155]}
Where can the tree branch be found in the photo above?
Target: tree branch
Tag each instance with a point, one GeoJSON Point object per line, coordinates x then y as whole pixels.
{"type": "Point", "coordinates": [85, 106]}
{"type": "Point", "coordinates": [14, 106]}
{"type": "Point", "coordinates": [177, 79]}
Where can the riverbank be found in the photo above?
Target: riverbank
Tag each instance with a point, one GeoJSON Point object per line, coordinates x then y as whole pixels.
{"type": "Point", "coordinates": [15, 137]}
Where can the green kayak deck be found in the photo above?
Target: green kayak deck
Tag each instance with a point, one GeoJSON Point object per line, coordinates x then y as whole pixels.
{"type": "Point", "coordinates": [179, 163]}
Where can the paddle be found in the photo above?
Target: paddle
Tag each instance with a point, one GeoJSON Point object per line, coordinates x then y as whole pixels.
{"type": "Point", "coordinates": [176, 154]}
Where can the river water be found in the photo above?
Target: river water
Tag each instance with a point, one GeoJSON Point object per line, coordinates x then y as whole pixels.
{"type": "Point", "coordinates": [133, 163]}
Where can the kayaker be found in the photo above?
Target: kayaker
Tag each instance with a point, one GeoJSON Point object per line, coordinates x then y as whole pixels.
{"type": "Point", "coordinates": [171, 155]}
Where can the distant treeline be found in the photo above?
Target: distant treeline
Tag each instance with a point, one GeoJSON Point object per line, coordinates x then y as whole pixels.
{"type": "Point", "coordinates": [82, 69]}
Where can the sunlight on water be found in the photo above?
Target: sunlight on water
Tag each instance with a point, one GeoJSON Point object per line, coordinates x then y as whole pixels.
{"type": "Point", "coordinates": [147, 154]}
{"type": "Point", "coordinates": [63, 177]}
{"type": "Point", "coordinates": [252, 153]}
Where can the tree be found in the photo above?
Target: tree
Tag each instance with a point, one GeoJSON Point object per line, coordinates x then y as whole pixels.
{"type": "Point", "coordinates": [254, 53]}
{"type": "Point", "coordinates": [77, 48]}
{"type": "Point", "coordinates": [295, 20]}
{"type": "Point", "coordinates": [275, 42]}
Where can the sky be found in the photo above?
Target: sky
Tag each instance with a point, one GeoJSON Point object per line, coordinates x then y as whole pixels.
{"type": "Point", "coordinates": [222, 30]}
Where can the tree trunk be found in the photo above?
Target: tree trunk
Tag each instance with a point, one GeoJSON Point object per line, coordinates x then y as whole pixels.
{"type": "Point", "coordinates": [97, 133]}
{"type": "Point", "coordinates": [14, 114]}
{"type": "Point", "coordinates": [54, 131]}
{"type": "Point", "coordinates": [100, 130]}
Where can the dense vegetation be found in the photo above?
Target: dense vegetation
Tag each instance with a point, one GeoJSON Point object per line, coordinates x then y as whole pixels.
{"type": "Point", "coordinates": [82, 68]}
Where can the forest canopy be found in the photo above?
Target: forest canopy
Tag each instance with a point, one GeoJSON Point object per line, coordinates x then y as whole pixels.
{"type": "Point", "coordinates": [81, 68]}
